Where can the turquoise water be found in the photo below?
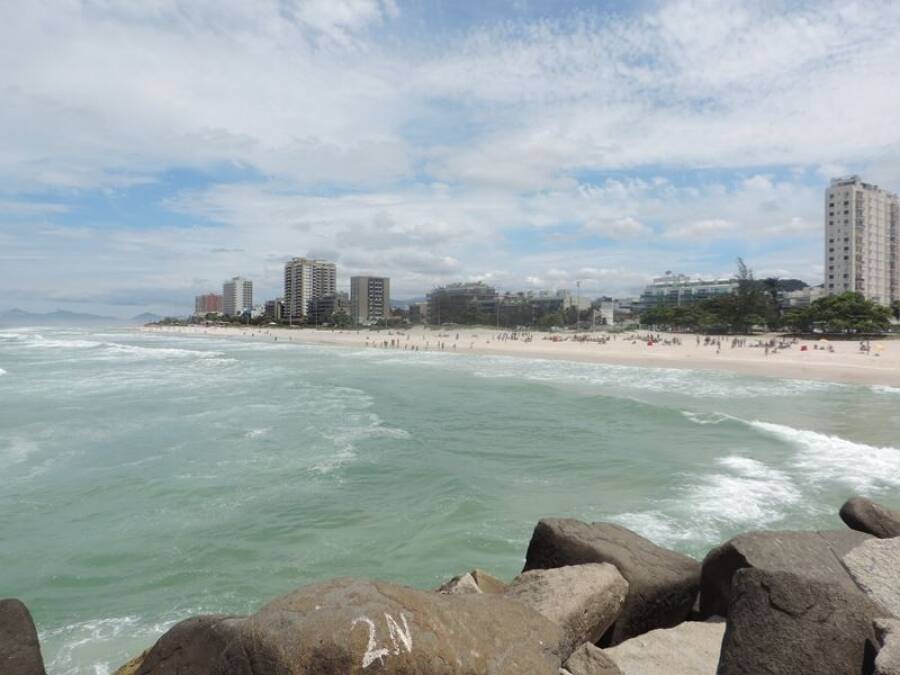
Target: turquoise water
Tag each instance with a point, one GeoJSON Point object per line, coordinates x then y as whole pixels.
{"type": "Point", "coordinates": [146, 478]}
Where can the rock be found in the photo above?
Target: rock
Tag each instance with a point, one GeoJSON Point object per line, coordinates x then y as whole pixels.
{"type": "Point", "coordinates": [461, 585]}
{"type": "Point", "coordinates": [20, 651]}
{"type": "Point", "coordinates": [787, 623]}
{"type": "Point", "coordinates": [133, 666]}
{"type": "Point", "coordinates": [813, 554]}
{"type": "Point", "coordinates": [346, 626]}
{"type": "Point", "coordinates": [487, 582]}
{"type": "Point", "coordinates": [691, 648]}
{"type": "Point", "coordinates": [591, 660]}
{"type": "Point", "coordinates": [476, 581]}
{"type": "Point", "coordinates": [582, 599]}
{"type": "Point", "coordinates": [662, 584]}
{"type": "Point", "coordinates": [875, 567]}
{"type": "Point", "coordinates": [865, 515]}
{"type": "Point", "coordinates": [888, 660]}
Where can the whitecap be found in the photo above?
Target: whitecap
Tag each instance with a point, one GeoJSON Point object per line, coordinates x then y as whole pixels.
{"type": "Point", "coordinates": [744, 492]}
{"type": "Point", "coordinates": [256, 433]}
{"type": "Point", "coordinates": [885, 389]}
{"type": "Point", "coordinates": [705, 418]}
{"type": "Point", "coordinates": [823, 457]}
{"type": "Point", "coordinates": [2, 372]}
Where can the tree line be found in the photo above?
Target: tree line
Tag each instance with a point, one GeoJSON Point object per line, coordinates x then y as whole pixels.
{"type": "Point", "coordinates": [755, 303]}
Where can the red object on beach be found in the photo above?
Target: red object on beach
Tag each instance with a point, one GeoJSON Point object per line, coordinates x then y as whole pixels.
{"type": "Point", "coordinates": [802, 348]}
{"type": "Point", "coordinates": [649, 343]}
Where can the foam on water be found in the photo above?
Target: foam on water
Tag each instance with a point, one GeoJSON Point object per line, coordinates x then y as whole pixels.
{"type": "Point", "coordinates": [822, 457]}
{"type": "Point", "coordinates": [2, 372]}
{"type": "Point", "coordinates": [107, 643]}
{"type": "Point", "coordinates": [744, 493]}
{"type": "Point", "coordinates": [885, 389]}
{"type": "Point", "coordinates": [16, 449]}
{"type": "Point", "coordinates": [692, 383]}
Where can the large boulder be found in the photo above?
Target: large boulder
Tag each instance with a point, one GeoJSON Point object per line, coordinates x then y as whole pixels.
{"type": "Point", "coordinates": [584, 600]}
{"type": "Point", "coordinates": [787, 623]}
{"type": "Point", "coordinates": [662, 584]}
{"type": "Point", "coordinates": [865, 515]}
{"type": "Point", "coordinates": [816, 555]}
{"type": "Point", "coordinates": [20, 651]}
{"type": "Point", "coordinates": [475, 581]}
{"type": "Point", "coordinates": [691, 648]}
{"type": "Point", "coordinates": [875, 567]}
{"type": "Point", "coordinates": [350, 626]}
{"type": "Point", "coordinates": [888, 660]}
{"type": "Point", "coordinates": [591, 660]}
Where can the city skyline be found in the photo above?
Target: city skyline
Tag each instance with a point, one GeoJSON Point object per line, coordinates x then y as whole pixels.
{"type": "Point", "coordinates": [518, 144]}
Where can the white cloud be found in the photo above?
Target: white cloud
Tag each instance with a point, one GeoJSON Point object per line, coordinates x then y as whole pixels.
{"type": "Point", "coordinates": [698, 121]}
{"type": "Point", "coordinates": [702, 229]}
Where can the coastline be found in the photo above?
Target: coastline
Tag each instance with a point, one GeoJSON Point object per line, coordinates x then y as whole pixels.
{"type": "Point", "coordinates": [844, 365]}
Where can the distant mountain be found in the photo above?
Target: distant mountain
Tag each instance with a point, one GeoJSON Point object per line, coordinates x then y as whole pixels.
{"type": "Point", "coordinates": [404, 304]}
{"type": "Point", "coordinates": [22, 318]}
{"type": "Point", "coordinates": [788, 285]}
{"type": "Point", "coordinates": [146, 317]}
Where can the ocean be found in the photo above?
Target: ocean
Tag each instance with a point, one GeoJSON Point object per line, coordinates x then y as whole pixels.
{"type": "Point", "coordinates": [145, 478]}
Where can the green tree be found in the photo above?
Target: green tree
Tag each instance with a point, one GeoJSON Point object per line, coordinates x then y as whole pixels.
{"type": "Point", "coordinates": [846, 313]}
{"type": "Point", "coordinates": [341, 319]}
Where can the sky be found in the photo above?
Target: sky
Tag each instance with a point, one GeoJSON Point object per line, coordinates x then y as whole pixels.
{"type": "Point", "coordinates": [149, 150]}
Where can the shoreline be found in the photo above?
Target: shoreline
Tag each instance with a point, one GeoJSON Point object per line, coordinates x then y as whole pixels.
{"type": "Point", "coordinates": [836, 362]}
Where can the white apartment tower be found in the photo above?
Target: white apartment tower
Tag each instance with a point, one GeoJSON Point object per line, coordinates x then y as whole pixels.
{"type": "Point", "coordinates": [861, 230]}
{"type": "Point", "coordinates": [370, 299]}
{"type": "Point", "coordinates": [237, 296]}
{"type": "Point", "coordinates": [306, 280]}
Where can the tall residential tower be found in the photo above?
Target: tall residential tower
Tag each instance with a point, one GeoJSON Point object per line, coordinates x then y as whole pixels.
{"type": "Point", "coordinates": [370, 299]}
{"type": "Point", "coordinates": [861, 230]}
{"type": "Point", "coordinates": [237, 296]}
{"type": "Point", "coordinates": [306, 280]}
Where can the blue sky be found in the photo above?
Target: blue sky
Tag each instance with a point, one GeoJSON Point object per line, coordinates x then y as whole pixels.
{"type": "Point", "coordinates": [149, 150]}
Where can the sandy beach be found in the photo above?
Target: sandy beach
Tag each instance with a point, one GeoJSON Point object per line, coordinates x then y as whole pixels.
{"type": "Point", "coordinates": [832, 361]}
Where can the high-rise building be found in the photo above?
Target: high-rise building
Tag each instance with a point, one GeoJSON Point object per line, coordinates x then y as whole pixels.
{"type": "Point", "coordinates": [306, 280]}
{"type": "Point", "coordinates": [861, 231]}
{"type": "Point", "coordinates": [370, 299]}
{"type": "Point", "coordinates": [237, 296]}
{"type": "Point", "coordinates": [209, 303]}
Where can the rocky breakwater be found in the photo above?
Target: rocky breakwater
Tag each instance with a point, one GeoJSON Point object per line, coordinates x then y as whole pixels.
{"type": "Point", "coordinates": [592, 599]}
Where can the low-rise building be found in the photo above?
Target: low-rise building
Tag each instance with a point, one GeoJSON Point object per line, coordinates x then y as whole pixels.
{"type": "Point", "coordinates": [274, 309]}
{"type": "Point", "coordinates": [321, 310]}
{"type": "Point", "coordinates": [464, 303]}
{"type": "Point", "coordinates": [681, 289]}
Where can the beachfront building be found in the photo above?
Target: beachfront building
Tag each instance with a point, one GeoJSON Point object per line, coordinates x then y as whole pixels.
{"type": "Point", "coordinates": [237, 296]}
{"type": "Point", "coordinates": [800, 298]}
{"type": "Point", "coordinates": [468, 303]}
{"type": "Point", "coordinates": [208, 303]}
{"type": "Point", "coordinates": [681, 289]}
{"type": "Point", "coordinates": [418, 312]}
{"type": "Point", "coordinates": [305, 280]}
{"type": "Point", "coordinates": [322, 309]}
{"type": "Point", "coordinates": [274, 309]}
{"type": "Point", "coordinates": [370, 300]}
{"type": "Point", "coordinates": [861, 247]}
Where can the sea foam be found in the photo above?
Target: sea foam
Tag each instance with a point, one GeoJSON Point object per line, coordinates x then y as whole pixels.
{"type": "Point", "coordinates": [823, 457]}
{"type": "Point", "coordinates": [742, 491]}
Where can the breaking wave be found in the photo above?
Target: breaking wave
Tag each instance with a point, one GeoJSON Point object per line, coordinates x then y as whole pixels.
{"type": "Point", "coordinates": [823, 457]}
